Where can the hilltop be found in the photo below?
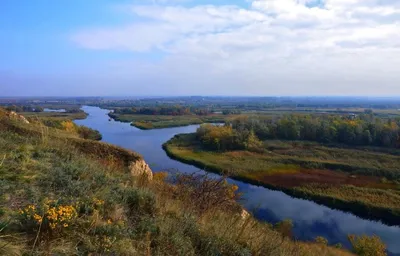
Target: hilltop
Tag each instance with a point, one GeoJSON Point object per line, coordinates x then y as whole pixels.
{"type": "Point", "coordinates": [65, 195]}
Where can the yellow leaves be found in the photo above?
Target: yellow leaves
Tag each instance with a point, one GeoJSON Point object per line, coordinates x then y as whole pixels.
{"type": "Point", "coordinates": [160, 176]}
{"type": "Point", "coordinates": [68, 126]}
{"type": "Point", "coordinates": [38, 218]}
{"type": "Point", "coordinates": [54, 216]}
{"type": "Point", "coordinates": [60, 216]}
{"type": "Point", "coordinates": [98, 202]}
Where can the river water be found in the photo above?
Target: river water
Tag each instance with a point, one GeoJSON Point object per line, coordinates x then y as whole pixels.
{"type": "Point", "coordinates": [310, 219]}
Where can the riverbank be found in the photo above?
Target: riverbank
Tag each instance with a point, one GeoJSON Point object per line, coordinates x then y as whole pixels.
{"type": "Point", "coordinates": [149, 122]}
{"type": "Point", "coordinates": [61, 194]}
{"type": "Point", "coordinates": [366, 196]}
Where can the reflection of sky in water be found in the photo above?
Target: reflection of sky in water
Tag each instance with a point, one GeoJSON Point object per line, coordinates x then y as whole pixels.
{"type": "Point", "coordinates": [310, 219]}
{"type": "Point", "coordinates": [61, 110]}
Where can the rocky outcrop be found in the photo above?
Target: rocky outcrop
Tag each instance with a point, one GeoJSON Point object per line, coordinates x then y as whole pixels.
{"type": "Point", "coordinates": [140, 168]}
{"type": "Point", "coordinates": [14, 115]}
{"type": "Point", "coordinates": [244, 214]}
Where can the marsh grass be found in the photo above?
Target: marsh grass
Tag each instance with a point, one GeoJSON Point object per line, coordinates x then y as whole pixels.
{"type": "Point", "coordinates": [376, 198]}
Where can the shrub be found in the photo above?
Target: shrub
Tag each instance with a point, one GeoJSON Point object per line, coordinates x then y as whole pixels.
{"type": "Point", "coordinates": [285, 227]}
{"type": "Point", "coordinates": [204, 194]}
{"type": "Point", "coordinates": [51, 217]}
{"type": "Point", "coordinates": [140, 202]}
{"type": "Point", "coordinates": [338, 245]}
{"type": "Point", "coordinates": [367, 245]}
{"type": "Point", "coordinates": [321, 240]}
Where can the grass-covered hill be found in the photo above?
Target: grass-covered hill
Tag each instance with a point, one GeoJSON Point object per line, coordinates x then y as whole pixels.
{"type": "Point", "coordinates": [64, 195]}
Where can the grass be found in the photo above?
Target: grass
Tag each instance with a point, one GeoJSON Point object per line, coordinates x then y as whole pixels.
{"type": "Point", "coordinates": [62, 195]}
{"type": "Point", "coordinates": [349, 179]}
{"type": "Point", "coordinates": [147, 122]}
{"type": "Point", "coordinates": [54, 115]}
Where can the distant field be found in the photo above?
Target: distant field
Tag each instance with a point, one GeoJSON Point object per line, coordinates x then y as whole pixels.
{"type": "Point", "coordinates": [383, 113]}
{"type": "Point", "coordinates": [55, 115]}
{"type": "Point", "coordinates": [363, 180]}
{"type": "Point", "coordinates": [147, 122]}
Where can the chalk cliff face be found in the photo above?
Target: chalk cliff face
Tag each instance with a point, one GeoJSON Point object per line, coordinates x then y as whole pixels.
{"type": "Point", "coordinates": [14, 115]}
{"type": "Point", "coordinates": [140, 168]}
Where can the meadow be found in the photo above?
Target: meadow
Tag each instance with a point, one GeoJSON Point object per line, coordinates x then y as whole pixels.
{"type": "Point", "coordinates": [361, 180]}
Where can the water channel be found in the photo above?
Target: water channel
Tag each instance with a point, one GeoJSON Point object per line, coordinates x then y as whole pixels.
{"type": "Point", "coordinates": [310, 219]}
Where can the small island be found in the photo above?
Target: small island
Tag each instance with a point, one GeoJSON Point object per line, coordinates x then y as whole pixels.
{"type": "Point", "coordinates": [158, 117]}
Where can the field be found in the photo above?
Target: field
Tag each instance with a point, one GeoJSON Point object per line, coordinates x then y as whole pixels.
{"type": "Point", "coordinates": [54, 115]}
{"type": "Point", "coordinates": [364, 181]}
{"type": "Point", "coordinates": [147, 122]}
{"type": "Point", "coordinates": [63, 195]}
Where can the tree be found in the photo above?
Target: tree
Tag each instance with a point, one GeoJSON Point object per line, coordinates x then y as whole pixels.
{"type": "Point", "coordinates": [39, 109]}
{"type": "Point", "coordinates": [253, 143]}
{"type": "Point", "coordinates": [368, 245]}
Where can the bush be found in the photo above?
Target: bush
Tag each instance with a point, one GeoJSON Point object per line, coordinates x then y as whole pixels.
{"type": "Point", "coordinates": [140, 203]}
{"type": "Point", "coordinates": [204, 194]}
{"type": "Point", "coordinates": [367, 245]}
{"type": "Point", "coordinates": [285, 227]}
{"type": "Point", "coordinates": [321, 240]}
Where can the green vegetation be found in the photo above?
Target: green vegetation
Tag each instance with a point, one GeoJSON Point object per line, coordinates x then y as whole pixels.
{"type": "Point", "coordinates": [365, 182]}
{"type": "Point", "coordinates": [367, 246]}
{"type": "Point", "coordinates": [147, 122]}
{"type": "Point", "coordinates": [64, 121]}
{"type": "Point", "coordinates": [355, 130]}
{"type": "Point", "coordinates": [63, 195]}
{"type": "Point", "coordinates": [54, 115]}
{"type": "Point", "coordinates": [175, 110]}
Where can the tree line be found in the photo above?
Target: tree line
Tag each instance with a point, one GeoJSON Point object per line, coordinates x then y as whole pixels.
{"type": "Point", "coordinates": [164, 110]}
{"type": "Point", "coordinates": [247, 132]}
{"type": "Point", "coordinates": [38, 109]}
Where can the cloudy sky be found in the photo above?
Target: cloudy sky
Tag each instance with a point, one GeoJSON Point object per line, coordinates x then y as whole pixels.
{"type": "Point", "coordinates": [199, 47]}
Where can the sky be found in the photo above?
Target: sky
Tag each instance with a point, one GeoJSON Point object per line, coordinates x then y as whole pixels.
{"type": "Point", "coordinates": [199, 47]}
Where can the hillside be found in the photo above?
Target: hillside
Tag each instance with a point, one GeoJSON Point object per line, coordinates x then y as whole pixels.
{"type": "Point", "coordinates": [64, 195]}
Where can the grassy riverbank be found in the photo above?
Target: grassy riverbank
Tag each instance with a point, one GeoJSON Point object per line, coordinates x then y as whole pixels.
{"type": "Point", "coordinates": [148, 122]}
{"type": "Point", "coordinates": [55, 115]}
{"type": "Point", "coordinates": [63, 195]}
{"type": "Point", "coordinates": [349, 179]}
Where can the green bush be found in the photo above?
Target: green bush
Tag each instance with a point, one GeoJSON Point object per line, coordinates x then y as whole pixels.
{"type": "Point", "coordinates": [321, 240]}
{"type": "Point", "coordinates": [285, 227]}
{"type": "Point", "coordinates": [368, 245]}
{"type": "Point", "coordinates": [140, 202]}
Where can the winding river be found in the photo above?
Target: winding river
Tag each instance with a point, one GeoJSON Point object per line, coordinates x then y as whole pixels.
{"type": "Point", "coordinates": [310, 219]}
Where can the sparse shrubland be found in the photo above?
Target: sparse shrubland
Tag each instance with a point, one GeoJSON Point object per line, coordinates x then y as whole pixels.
{"type": "Point", "coordinates": [62, 195]}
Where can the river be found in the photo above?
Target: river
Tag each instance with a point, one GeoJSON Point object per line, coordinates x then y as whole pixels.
{"type": "Point", "coordinates": [310, 219]}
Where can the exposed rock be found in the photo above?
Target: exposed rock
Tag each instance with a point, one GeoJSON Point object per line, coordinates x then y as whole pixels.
{"type": "Point", "coordinates": [245, 214]}
{"type": "Point", "coordinates": [140, 168]}
{"type": "Point", "coordinates": [14, 115]}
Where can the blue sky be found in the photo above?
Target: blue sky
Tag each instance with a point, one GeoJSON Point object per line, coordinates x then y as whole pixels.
{"type": "Point", "coordinates": [186, 47]}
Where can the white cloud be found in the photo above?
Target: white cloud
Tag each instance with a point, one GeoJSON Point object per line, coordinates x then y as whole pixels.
{"type": "Point", "coordinates": [275, 47]}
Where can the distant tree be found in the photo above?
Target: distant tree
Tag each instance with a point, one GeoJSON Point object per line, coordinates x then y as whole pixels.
{"type": "Point", "coordinates": [39, 109]}
{"type": "Point", "coordinates": [253, 143]}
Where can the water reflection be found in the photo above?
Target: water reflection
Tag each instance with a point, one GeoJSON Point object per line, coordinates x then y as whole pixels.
{"type": "Point", "coordinates": [310, 219]}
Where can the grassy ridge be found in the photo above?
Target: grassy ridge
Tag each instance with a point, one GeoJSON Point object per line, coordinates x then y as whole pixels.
{"type": "Point", "coordinates": [62, 195]}
{"type": "Point", "coordinates": [366, 196]}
